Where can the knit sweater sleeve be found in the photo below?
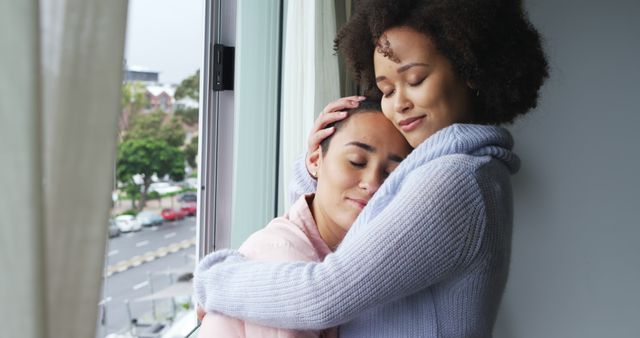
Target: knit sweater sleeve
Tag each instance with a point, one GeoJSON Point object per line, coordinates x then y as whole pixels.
{"type": "Point", "coordinates": [430, 230]}
{"type": "Point", "coordinates": [301, 182]}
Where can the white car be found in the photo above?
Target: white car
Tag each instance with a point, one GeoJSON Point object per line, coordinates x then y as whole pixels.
{"type": "Point", "coordinates": [127, 223]}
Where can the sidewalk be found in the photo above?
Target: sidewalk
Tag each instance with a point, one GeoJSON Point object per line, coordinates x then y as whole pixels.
{"type": "Point", "coordinates": [152, 205]}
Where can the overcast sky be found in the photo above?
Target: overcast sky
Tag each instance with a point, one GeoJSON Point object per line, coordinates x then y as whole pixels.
{"type": "Point", "coordinates": [165, 36]}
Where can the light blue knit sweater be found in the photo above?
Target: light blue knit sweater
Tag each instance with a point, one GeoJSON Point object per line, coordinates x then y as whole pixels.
{"type": "Point", "coordinates": [428, 256]}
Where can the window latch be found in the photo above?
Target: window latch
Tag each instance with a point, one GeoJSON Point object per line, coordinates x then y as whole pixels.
{"type": "Point", "coordinates": [223, 67]}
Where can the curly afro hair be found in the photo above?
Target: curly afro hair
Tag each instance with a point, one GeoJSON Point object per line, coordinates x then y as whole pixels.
{"type": "Point", "coordinates": [490, 43]}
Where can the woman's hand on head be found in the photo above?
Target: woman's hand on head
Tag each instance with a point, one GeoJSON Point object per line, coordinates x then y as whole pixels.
{"type": "Point", "coordinates": [334, 111]}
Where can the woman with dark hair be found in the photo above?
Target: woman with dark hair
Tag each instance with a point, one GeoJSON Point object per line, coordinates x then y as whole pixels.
{"type": "Point", "coordinates": [349, 166]}
{"type": "Point", "coordinates": [429, 255]}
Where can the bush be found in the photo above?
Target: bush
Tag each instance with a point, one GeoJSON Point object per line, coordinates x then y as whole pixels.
{"type": "Point", "coordinates": [131, 212]}
{"type": "Point", "coordinates": [153, 195]}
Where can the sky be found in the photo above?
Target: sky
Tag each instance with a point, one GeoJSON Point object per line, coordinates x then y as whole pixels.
{"type": "Point", "coordinates": [165, 36]}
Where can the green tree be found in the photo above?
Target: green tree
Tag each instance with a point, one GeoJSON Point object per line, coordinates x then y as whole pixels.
{"type": "Point", "coordinates": [173, 132]}
{"type": "Point", "coordinates": [146, 157]}
{"type": "Point", "coordinates": [156, 125]}
{"type": "Point", "coordinates": [133, 97]}
{"type": "Point", "coordinates": [189, 87]}
{"type": "Point", "coordinates": [188, 115]}
{"type": "Point", "coordinates": [133, 191]}
{"type": "Point", "coordinates": [191, 151]}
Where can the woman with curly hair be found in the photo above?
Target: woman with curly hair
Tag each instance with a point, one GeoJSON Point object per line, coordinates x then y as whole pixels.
{"type": "Point", "coordinates": [429, 255]}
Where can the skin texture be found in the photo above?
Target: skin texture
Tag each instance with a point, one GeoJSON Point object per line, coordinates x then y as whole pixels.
{"type": "Point", "coordinates": [349, 174]}
{"type": "Point", "coordinates": [418, 84]}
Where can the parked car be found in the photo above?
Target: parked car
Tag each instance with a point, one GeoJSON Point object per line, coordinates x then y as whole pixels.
{"type": "Point", "coordinates": [173, 214]}
{"type": "Point", "coordinates": [188, 197]}
{"type": "Point", "coordinates": [149, 218]}
{"type": "Point", "coordinates": [127, 223]}
{"type": "Point", "coordinates": [190, 208]}
{"type": "Point", "coordinates": [113, 229]}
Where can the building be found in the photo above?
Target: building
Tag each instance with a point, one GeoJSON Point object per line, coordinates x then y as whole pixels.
{"type": "Point", "coordinates": [160, 97]}
{"type": "Point", "coordinates": [140, 74]}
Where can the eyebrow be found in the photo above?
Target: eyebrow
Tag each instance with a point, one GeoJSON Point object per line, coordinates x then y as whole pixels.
{"type": "Point", "coordinates": [403, 69]}
{"type": "Point", "coordinates": [410, 65]}
{"type": "Point", "coordinates": [372, 149]}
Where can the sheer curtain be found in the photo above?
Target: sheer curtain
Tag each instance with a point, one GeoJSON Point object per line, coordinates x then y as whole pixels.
{"type": "Point", "coordinates": [310, 74]}
{"type": "Point", "coordinates": [61, 65]}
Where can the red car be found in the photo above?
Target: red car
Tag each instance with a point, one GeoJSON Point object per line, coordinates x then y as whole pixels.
{"type": "Point", "coordinates": [173, 214]}
{"type": "Point", "coordinates": [189, 208]}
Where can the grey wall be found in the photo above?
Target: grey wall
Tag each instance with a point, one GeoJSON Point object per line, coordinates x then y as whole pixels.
{"type": "Point", "coordinates": [575, 270]}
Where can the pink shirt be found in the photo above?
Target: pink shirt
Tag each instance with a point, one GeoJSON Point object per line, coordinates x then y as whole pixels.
{"type": "Point", "coordinates": [292, 237]}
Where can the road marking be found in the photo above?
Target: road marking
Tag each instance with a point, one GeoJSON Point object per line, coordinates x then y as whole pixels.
{"type": "Point", "coordinates": [105, 301]}
{"type": "Point", "coordinates": [167, 236]}
{"type": "Point", "coordinates": [149, 256]}
{"type": "Point", "coordinates": [113, 252]}
{"type": "Point", "coordinates": [143, 243]}
{"type": "Point", "coordinates": [140, 285]}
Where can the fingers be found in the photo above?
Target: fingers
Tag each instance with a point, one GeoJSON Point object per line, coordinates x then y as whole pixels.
{"type": "Point", "coordinates": [342, 104]}
{"type": "Point", "coordinates": [316, 138]}
{"type": "Point", "coordinates": [333, 112]}
{"type": "Point", "coordinates": [327, 118]}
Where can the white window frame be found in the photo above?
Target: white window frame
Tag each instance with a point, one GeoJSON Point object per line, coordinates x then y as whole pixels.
{"type": "Point", "coordinates": [238, 143]}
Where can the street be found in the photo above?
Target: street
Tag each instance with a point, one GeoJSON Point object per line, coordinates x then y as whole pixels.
{"type": "Point", "coordinates": [139, 263]}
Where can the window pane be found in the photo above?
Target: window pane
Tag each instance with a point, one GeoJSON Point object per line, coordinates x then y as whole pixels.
{"type": "Point", "coordinates": [152, 228]}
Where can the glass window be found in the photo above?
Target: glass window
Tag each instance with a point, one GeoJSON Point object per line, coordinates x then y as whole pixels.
{"type": "Point", "coordinates": [152, 227]}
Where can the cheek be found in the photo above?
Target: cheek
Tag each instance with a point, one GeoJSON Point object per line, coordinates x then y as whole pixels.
{"type": "Point", "coordinates": [428, 95]}
{"type": "Point", "coordinates": [387, 108]}
{"type": "Point", "coordinates": [338, 178]}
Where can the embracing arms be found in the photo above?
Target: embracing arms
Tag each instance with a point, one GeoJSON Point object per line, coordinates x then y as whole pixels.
{"type": "Point", "coordinates": [429, 230]}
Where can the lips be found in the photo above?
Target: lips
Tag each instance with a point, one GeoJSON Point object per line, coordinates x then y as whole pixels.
{"type": "Point", "coordinates": [410, 123]}
{"type": "Point", "coordinates": [360, 203]}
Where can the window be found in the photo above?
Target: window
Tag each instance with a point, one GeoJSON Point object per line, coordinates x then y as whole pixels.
{"type": "Point", "coordinates": [152, 228]}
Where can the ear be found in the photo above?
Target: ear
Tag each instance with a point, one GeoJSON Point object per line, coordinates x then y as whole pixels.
{"type": "Point", "coordinates": [313, 162]}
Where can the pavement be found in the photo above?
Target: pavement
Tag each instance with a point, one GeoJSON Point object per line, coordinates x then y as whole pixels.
{"type": "Point", "coordinates": [156, 206]}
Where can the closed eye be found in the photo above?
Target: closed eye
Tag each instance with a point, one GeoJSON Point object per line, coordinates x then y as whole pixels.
{"type": "Point", "coordinates": [417, 83]}
{"type": "Point", "coordinates": [389, 94]}
{"type": "Point", "coordinates": [358, 164]}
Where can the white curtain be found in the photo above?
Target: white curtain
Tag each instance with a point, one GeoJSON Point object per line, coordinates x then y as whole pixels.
{"type": "Point", "coordinates": [61, 66]}
{"type": "Point", "coordinates": [311, 77]}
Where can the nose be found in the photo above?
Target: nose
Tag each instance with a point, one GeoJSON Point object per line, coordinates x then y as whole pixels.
{"type": "Point", "coordinates": [402, 104]}
{"type": "Point", "coordinates": [371, 181]}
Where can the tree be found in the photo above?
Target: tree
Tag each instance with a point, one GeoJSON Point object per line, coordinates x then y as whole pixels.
{"type": "Point", "coordinates": [146, 157]}
{"type": "Point", "coordinates": [134, 98]}
{"type": "Point", "coordinates": [191, 151]}
{"type": "Point", "coordinates": [173, 132]}
{"type": "Point", "coordinates": [189, 87]}
{"type": "Point", "coordinates": [156, 125]}
{"type": "Point", "coordinates": [133, 191]}
{"type": "Point", "coordinates": [188, 115]}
